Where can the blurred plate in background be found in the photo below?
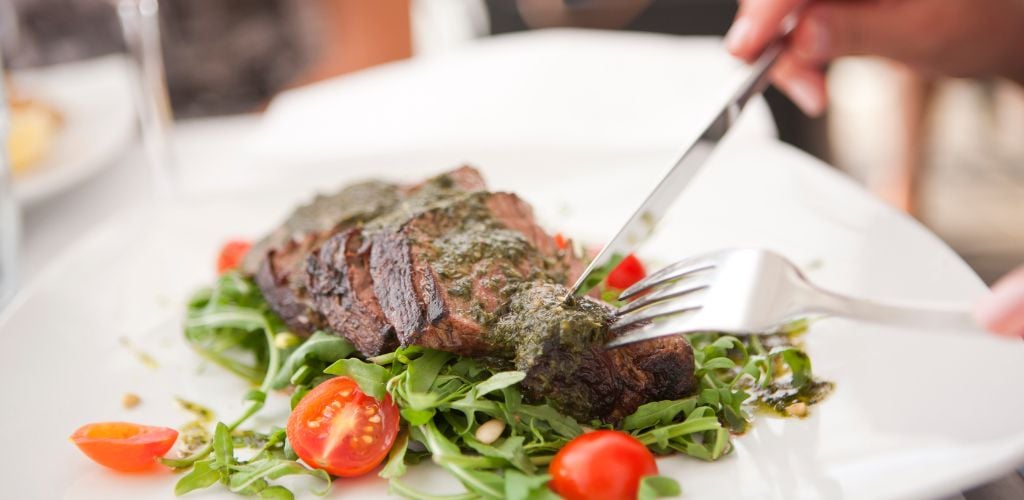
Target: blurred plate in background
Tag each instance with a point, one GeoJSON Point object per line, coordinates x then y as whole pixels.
{"type": "Point", "coordinates": [94, 101]}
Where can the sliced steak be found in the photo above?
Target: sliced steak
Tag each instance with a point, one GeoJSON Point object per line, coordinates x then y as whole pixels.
{"type": "Point", "coordinates": [280, 260]}
{"type": "Point", "coordinates": [443, 275]}
{"type": "Point", "coordinates": [283, 284]}
{"type": "Point", "coordinates": [446, 265]}
{"type": "Point", "coordinates": [340, 282]}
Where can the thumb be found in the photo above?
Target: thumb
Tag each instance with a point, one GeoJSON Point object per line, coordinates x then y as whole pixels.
{"type": "Point", "coordinates": [1003, 310]}
{"type": "Point", "coordinates": [835, 28]}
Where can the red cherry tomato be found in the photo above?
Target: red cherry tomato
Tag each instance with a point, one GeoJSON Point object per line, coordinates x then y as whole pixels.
{"type": "Point", "coordinates": [339, 429]}
{"type": "Point", "coordinates": [231, 255]}
{"type": "Point", "coordinates": [561, 242]}
{"type": "Point", "coordinates": [627, 273]}
{"type": "Point", "coordinates": [124, 446]}
{"type": "Point", "coordinates": [601, 465]}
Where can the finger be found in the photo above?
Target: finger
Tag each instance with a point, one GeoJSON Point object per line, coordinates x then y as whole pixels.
{"type": "Point", "coordinates": [757, 21]}
{"type": "Point", "coordinates": [805, 85]}
{"type": "Point", "coordinates": [1002, 311]}
{"type": "Point", "coordinates": [836, 28]}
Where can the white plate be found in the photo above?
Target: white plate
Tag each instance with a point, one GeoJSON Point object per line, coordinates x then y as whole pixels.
{"type": "Point", "coordinates": [94, 98]}
{"type": "Point", "coordinates": [913, 415]}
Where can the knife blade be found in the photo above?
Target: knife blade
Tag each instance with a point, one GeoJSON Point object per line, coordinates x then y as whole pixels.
{"type": "Point", "coordinates": [644, 220]}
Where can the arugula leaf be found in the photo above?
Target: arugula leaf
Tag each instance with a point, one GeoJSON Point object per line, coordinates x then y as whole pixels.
{"type": "Point", "coordinates": [372, 378]}
{"type": "Point", "coordinates": [510, 450]}
{"type": "Point", "coordinates": [416, 417]}
{"type": "Point", "coordinates": [691, 425]}
{"type": "Point", "coordinates": [277, 492]}
{"type": "Point", "coordinates": [269, 469]}
{"type": "Point", "coordinates": [396, 457]}
{"type": "Point", "coordinates": [203, 475]}
{"type": "Point", "coordinates": [561, 424]}
{"type": "Point", "coordinates": [484, 483]}
{"type": "Point", "coordinates": [398, 488]}
{"type": "Point", "coordinates": [321, 346]}
{"type": "Point", "coordinates": [652, 487]}
{"type": "Point", "coordinates": [424, 369]}
{"type": "Point", "coordinates": [223, 446]}
{"type": "Point", "coordinates": [798, 361]}
{"type": "Point", "coordinates": [658, 413]}
{"type": "Point", "coordinates": [519, 486]}
{"type": "Point", "coordinates": [498, 381]}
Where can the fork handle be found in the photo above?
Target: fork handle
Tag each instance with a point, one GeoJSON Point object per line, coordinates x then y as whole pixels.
{"type": "Point", "coordinates": [923, 316]}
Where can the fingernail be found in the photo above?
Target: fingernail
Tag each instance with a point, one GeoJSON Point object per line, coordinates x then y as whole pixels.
{"type": "Point", "coordinates": [738, 37]}
{"type": "Point", "coordinates": [806, 97]}
{"type": "Point", "coordinates": [1002, 311]}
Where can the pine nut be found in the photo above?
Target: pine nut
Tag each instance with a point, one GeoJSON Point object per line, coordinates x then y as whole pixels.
{"type": "Point", "coordinates": [490, 431]}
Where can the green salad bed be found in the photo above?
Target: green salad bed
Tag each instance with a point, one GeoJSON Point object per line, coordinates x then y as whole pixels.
{"type": "Point", "coordinates": [443, 400]}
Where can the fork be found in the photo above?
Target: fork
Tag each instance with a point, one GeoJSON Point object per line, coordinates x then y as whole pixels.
{"type": "Point", "coordinates": [749, 291]}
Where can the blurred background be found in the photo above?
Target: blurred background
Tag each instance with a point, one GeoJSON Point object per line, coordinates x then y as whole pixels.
{"type": "Point", "coordinates": [948, 152]}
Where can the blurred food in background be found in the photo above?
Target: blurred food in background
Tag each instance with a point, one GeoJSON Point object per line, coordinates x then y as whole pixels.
{"type": "Point", "coordinates": [33, 126]}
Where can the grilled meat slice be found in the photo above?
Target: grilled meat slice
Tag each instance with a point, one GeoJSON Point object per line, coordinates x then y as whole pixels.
{"type": "Point", "coordinates": [560, 346]}
{"type": "Point", "coordinates": [280, 258]}
{"type": "Point", "coordinates": [283, 282]}
{"type": "Point", "coordinates": [443, 274]}
{"type": "Point", "coordinates": [342, 290]}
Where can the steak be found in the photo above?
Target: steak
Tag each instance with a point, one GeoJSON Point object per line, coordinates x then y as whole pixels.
{"type": "Point", "coordinates": [447, 265]}
{"type": "Point", "coordinates": [444, 274]}
{"type": "Point", "coordinates": [559, 344]}
{"type": "Point", "coordinates": [278, 261]}
{"type": "Point", "coordinates": [343, 292]}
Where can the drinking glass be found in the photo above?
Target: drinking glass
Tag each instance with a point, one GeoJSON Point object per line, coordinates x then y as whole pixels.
{"type": "Point", "coordinates": [140, 25]}
{"type": "Point", "coordinates": [9, 220]}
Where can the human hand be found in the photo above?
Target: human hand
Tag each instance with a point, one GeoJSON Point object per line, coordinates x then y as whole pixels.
{"type": "Point", "coordinates": [1002, 311]}
{"type": "Point", "coordinates": [935, 37]}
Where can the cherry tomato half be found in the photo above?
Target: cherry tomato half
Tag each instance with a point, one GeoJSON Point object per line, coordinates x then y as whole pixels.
{"type": "Point", "coordinates": [124, 446]}
{"type": "Point", "coordinates": [231, 255]}
{"type": "Point", "coordinates": [561, 242]}
{"type": "Point", "coordinates": [627, 273]}
{"type": "Point", "coordinates": [601, 465]}
{"type": "Point", "coordinates": [339, 429]}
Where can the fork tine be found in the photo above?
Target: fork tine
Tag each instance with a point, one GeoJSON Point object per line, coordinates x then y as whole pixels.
{"type": "Point", "coordinates": [677, 289]}
{"type": "Point", "coordinates": [667, 308]}
{"type": "Point", "coordinates": [672, 326]}
{"type": "Point", "coordinates": [672, 272]}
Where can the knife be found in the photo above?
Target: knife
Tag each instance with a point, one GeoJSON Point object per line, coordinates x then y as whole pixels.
{"type": "Point", "coordinates": [651, 211]}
